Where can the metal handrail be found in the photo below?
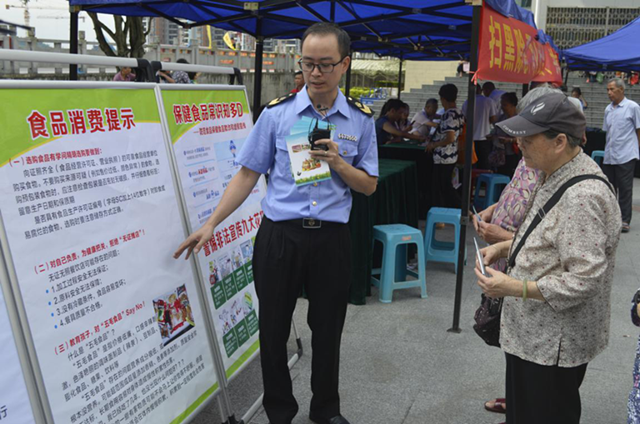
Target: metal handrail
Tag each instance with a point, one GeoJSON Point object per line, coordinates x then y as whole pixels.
{"type": "Point", "coordinates": [149, 67]}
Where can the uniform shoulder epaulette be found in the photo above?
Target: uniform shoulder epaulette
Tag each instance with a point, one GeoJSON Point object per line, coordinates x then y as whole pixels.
{"type": "Point", "coordinates": [280, 100]}
{"type": "Point", "coordinates": [361, 107]}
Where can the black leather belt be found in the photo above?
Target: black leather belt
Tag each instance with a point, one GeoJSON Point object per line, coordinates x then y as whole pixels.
{"type": "Point", "coordinates": [310, 223]}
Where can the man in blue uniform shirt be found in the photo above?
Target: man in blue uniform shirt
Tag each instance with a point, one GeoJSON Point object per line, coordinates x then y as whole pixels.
{"type": "Point", "coordinates": [304, 239]}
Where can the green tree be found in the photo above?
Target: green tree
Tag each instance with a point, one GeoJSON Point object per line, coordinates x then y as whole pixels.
{"type": "Point", "coordinates": [129, 35]}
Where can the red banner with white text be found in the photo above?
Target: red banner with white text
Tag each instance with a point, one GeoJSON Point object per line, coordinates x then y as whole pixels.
{"type": "Point", "coordinates": [510, 52]}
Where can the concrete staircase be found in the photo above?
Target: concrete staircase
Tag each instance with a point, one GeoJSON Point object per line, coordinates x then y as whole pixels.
{"type": "Point", "coordinates": [594, 93]}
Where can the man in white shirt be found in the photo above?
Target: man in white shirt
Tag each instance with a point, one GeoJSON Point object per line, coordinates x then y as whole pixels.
{"type": "Point", "coordinates": [426, 121]}
{"type": "Point", "coordinates": [622, 124]}
{"type": "Point", "coordinates": [489, 90]}
{"type": "Point", "coordinates": [486, 113]}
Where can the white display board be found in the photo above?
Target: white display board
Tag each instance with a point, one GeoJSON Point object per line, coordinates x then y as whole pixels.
{"type": "Point", "coordinates": [15, 407]}
{"type": "Point", "coordinates": [207, 126]}
{"type": "Point", "coordinates": [91, 215]}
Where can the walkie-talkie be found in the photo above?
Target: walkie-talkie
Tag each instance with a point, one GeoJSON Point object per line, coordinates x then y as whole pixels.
{"type": "Point", "coordinates": [318, 134]}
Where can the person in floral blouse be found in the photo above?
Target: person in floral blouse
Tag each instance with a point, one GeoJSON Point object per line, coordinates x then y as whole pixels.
{"type": "Point", "coordinates": [499, 223]}
{"type": "Point", "coordinates": [501, 220]}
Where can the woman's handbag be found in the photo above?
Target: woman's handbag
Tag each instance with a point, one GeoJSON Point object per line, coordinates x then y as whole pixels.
{"type": "Point", "coordinates": [487, 316]}
{"type": "Point", "coordinates": [487, 319]}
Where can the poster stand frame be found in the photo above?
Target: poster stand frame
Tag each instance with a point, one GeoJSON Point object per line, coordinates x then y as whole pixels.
{"type": "Point", "coordinates": [29, 351]}
{"type": "Point", "coordinates": [221, 372]}
{"type": "Point", "coordinates": [224, 401]}
{"type": "Point", "coordinates": [203, 87]}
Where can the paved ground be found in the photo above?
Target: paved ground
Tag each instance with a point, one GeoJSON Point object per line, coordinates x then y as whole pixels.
{"type": "Point", "coordinates": [401, 366]}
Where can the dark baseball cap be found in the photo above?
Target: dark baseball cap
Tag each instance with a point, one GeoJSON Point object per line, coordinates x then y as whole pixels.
{"type": "Point", "coordinates": [550, 112]}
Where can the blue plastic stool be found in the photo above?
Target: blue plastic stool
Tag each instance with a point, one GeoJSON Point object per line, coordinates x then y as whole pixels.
{"type": "Point", "coordinates": [393, 274]}
{"type": "Point", "coordinates": [442, 251]}
{"type": "Point", "coordinates": [494, 184]}
{"type": "Point", "coordinates": [598, 156]}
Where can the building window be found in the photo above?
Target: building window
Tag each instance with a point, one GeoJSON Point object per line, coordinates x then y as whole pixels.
{"type": "Point", "coordinates": [574, 26]}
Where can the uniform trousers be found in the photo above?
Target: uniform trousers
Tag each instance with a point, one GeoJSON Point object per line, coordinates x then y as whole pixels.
{"type": "Point", "coordinates": [538, 394]}
{"type": "Point", "coordinates": [288, 257]}
{"type": "Point", "coordinates": [621, 177]}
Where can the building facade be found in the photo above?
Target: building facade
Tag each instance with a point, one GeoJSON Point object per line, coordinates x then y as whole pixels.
{"type": "Point", "coordinates": [575, 22]}
{"type": "Point", "coordinates": [167, 32]}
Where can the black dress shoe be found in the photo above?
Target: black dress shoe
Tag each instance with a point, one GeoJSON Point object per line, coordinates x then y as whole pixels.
{"type": "Point", "coordinates": [338, 419]}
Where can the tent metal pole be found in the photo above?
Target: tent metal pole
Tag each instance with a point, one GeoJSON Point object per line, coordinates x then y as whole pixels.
{"type": "Point", "coordinates": [73, 40]}
{"type": "Point", "coordinates": [466, 180]}
{"type": "Point", "coordinates": [347, 83]}
{"type": "Point", "coordinates": [400, 79]}
{"type": "Point", "coordinates": [257, 83]}
{"type": "Point", "coordinates": [333, 11]}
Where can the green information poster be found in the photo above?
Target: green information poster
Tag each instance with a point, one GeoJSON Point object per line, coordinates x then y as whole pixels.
{"type": "Point", "coordinates": [91, 215]}
{"type": "Point", "coordinates": [208, 129]}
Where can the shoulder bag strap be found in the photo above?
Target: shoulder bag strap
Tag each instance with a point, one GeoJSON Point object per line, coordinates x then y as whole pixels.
{"type": "Point", "coordinates": [548, 206]}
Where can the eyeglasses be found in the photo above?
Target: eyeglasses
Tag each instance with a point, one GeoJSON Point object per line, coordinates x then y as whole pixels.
{"type": "Point", "coordinates": [325, 68]}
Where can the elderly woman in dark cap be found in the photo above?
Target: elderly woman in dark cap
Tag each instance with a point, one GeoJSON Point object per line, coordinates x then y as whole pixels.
{"type": "Point", "coordinates": [557, 288]}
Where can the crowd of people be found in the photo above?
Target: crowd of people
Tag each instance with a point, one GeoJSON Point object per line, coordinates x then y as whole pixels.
{"type": "Point", "coordinates": [565, 266]}
{"type": "Point", "coordinates": [552, 235]}
{"type": "Point", "coordinates": [126, 74]}
{"type": "Point", "coordinates": [494, 149]}
{"type": "Point", "coordinates": [631, 78]}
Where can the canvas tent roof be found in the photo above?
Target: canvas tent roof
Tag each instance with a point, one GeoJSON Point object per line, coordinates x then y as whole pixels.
{"type": "Point", "coordinates": [615, 52]}
{"type": "Point", "coordinates": [412, 29]}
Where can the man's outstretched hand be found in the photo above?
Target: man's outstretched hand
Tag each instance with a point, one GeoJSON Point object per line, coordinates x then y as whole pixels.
{"type": "Point", "coordinates": [195, 241]}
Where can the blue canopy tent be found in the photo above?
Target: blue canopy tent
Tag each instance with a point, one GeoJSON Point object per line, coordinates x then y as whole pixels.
{"type": "Point", "coordinates": [410, 29]}
{"type": "Point", "coordinates": [404, 27]}
{"type": "Point", "coordinates": [615, 52]}
{"type": "Point", "coordinates": [407, 29]}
